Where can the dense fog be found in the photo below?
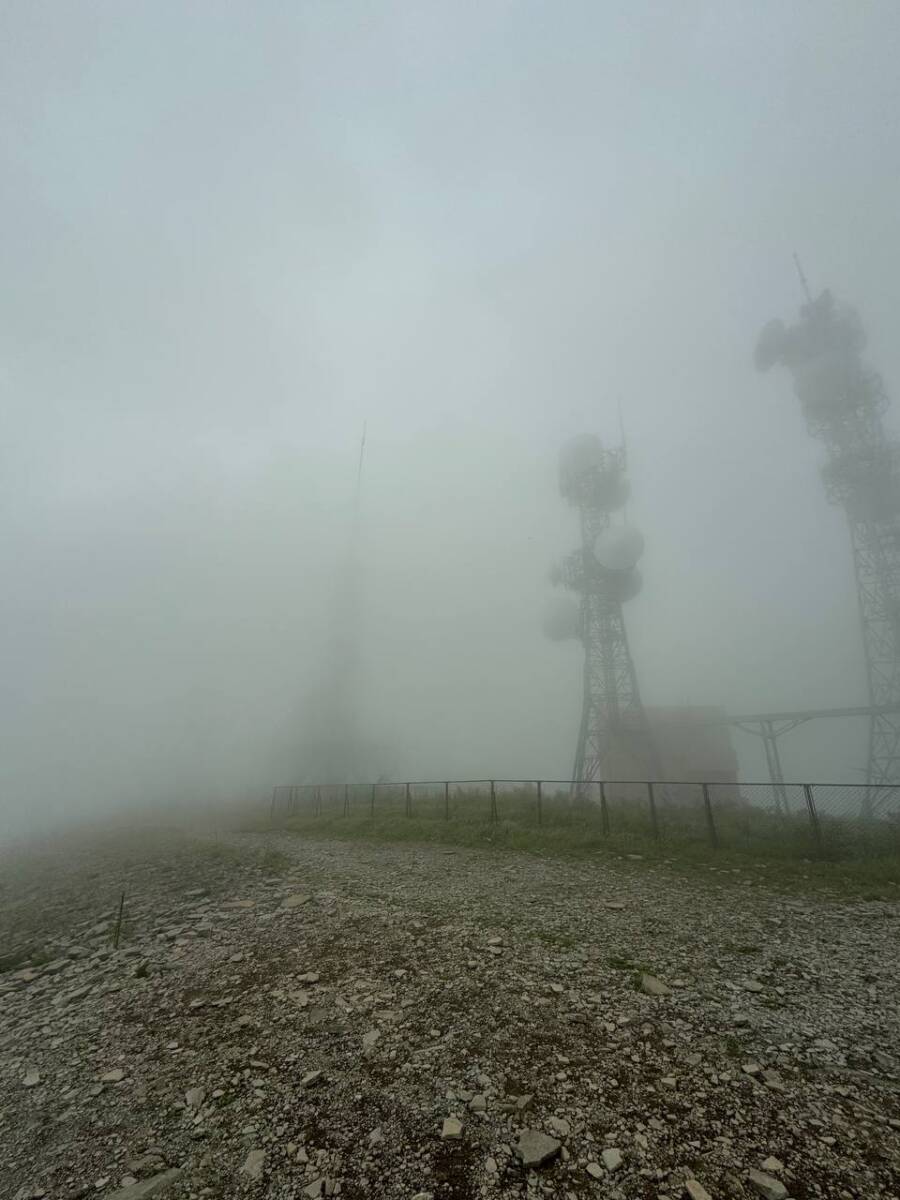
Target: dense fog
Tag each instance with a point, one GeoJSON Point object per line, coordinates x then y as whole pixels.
{"type": "Point", "coordinates": [238, 234]}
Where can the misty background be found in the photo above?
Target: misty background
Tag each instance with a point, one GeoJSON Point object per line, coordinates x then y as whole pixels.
{"type": "Point", "coordinates": [234, 233]}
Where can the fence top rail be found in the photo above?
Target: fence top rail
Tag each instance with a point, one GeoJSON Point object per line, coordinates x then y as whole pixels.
{"type": "Point", "coordinates": [713, 783]}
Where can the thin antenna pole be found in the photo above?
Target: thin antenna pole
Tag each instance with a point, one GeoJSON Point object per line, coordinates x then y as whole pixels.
{"type": "Point", "coordinates": [622, 433]}
{"type": "Point", "coordinates": [803, 282]}
{"type": "Point", "coordinates": [362, 451]}
{"type": "Point", "coordinates": [624, 451]}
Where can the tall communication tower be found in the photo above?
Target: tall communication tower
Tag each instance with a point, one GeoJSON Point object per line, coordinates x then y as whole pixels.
{"type": "Point", "coordinates": [603, 573]}
{"type": "Point", "coordinates": [843, 402]}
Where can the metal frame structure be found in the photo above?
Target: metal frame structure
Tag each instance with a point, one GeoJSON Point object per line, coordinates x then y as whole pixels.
{"type": "Point", "coordinates": [770, 727]}
{"type": "Point", "coordinates": [612, 710]}
{"type": "Point", "coordinates": [843, 403]}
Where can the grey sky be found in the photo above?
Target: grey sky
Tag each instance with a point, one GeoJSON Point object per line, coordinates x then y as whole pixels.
{"type": "Point", "coordinates": [234, 232]}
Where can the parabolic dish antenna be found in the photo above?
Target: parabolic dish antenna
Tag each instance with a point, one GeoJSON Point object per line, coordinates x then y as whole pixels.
{"type": "Point", "coordinates": [619, 586]}
{"type": "Point", "coordinates": [619, 547]}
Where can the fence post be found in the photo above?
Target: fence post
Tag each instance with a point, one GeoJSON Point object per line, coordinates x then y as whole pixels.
{"type": "Point", "coordinates": [446, 801]}
{"type": "Point", "coordinates": [604, 810]}
{"type": "Point", "coordinates": [292, 799]}
{"type": "Point", "coordinates": [272, 809]}
{"type": "Point", "coordinates": [654, 824]}
{"type": "Point", "coordinates": [493, 803]}
{"type": "Point", "coordinates": [813, 815]}
{"type": "Point", "coordinates": [372, 802]}
{"type": "Point", "coordinates": [710, 823]}
{"type": "Point", "coordinates": [118, 930]}
{"type": "Point", "coordinates": [540, 816]}
{"type": "Point", "coordinates": [408, 801]}
{"type": "Point", "coordinates": [346, 799]}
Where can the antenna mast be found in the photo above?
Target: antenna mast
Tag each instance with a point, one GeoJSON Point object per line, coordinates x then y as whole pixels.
{"type": "Point", "coordinates": [803, 282]}
{"type": "Point", "coordinates": [843, 401]}
{"type": "Point", "coordinates": [603, 574]}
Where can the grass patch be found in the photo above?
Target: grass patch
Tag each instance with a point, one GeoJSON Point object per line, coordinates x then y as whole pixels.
{"type": "Point", "coordinates": [755, 848]}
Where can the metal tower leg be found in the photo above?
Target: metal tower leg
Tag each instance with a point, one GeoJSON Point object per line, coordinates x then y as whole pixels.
{"type": "Point", "coordinates": [776, 775]}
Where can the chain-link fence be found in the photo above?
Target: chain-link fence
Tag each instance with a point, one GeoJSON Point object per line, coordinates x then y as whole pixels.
{"type": "Point", "coordinates": [798, 820]}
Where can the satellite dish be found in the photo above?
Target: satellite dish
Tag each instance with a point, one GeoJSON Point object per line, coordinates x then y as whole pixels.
{"type": "Point", "coordinates": [561, 619]}
{"type": "Point", "coordinates": [623, 585]}
{"type": "Point", "coordinates": [619, 547]}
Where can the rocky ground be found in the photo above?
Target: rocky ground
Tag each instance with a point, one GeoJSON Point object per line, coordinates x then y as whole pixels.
{"type": "Point", "coordinates": [289, 1018]}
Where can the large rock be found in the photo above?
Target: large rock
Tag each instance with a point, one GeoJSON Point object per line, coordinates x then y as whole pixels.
{"type": "Point", "coordinates": [535, 1148]}
{"type": "Point", "coordinates": [147, 1187]}
{"type": "Point", "coordinates": [612, 1158]}
{"type": "Point", "coordinates": [766, 1186]}
{"type": "Point", "coordinates": [695, 1189]}
{"type": "Point", "coordinates": [254, 1163]}
{"type": "Point", "coordinates": [651, 986]}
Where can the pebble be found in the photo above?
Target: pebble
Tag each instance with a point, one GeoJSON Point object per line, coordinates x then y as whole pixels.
{"type": "Point", "coordinates": [452, 1129]}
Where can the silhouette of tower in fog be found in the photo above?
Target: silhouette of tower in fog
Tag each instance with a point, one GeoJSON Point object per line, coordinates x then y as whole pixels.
{"type": "Point", "coordinates": [603, 574]}
{"type": "Point", "coordinates": [843, 402]}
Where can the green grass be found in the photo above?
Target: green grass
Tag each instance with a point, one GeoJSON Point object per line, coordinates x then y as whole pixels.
{"type": "Point", "coordinates": [777, 852]}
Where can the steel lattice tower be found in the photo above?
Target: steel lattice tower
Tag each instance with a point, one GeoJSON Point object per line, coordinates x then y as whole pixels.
{"type": "Point", "coordinates": [603, 574]}
{"type": "Point", "coordinates": [843, 402]}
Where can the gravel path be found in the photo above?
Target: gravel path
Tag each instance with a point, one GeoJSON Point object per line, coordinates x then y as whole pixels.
{"type": "Point", "coordinates": [288, 1018]}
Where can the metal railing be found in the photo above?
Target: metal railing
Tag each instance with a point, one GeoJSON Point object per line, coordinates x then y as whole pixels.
{"type": "Point", "coordinates": [800, 820]}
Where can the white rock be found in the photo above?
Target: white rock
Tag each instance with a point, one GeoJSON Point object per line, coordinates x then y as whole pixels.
{"type": "Point", "coordinates": [451, 1129]}
{"type": "Point", "coordinates": [652, 986]}
{"type": "Point", "coordinates": [695, 1189]}
{"type": "Point", "coordinates": [254, 1164]}
{"type": "Point", "coordinates": [535, 1148]}
{"type": "Point", "coordinates": [766, 1185]}
{"type": "Point", "coordinates": [32, 1078]}
{"type": "Point", "coordinates": [195, 1096]}
{"type": "Point", "coordinates": [612, 1158]}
